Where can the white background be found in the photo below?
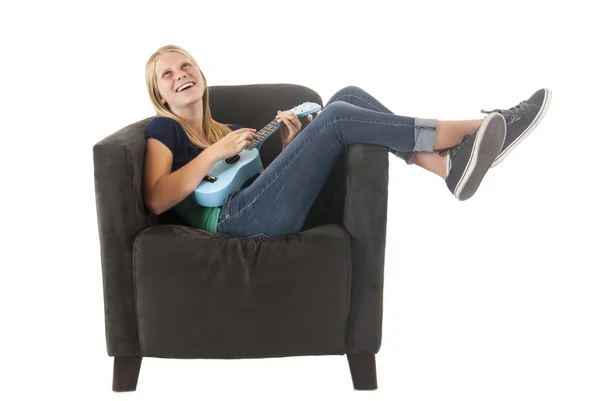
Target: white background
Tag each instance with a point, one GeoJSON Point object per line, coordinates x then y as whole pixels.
{"type": "Point", "coordinates": [494, 298]}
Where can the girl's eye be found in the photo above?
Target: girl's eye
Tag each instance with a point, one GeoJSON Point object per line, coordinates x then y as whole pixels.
{"type": "Point", "coordinates": [186, 64]}
{"type": "Point", "coordinates": [166, 72]}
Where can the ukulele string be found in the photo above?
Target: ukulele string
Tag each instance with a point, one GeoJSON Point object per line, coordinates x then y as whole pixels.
{"type": "Point", "coordinates": [265, 131]}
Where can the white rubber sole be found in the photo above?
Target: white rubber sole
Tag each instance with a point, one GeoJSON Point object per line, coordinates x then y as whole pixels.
{"type": "Point", "coordinates": [488, 142]}
{"type": "Point", "coordinates": [528, 130]}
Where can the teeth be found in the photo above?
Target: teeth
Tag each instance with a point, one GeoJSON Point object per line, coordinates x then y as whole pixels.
{"type": "Point", "coordinates": [182, 87]}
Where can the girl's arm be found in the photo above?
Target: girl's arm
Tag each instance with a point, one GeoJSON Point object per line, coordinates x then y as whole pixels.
{"type": "Point", "coordinates": [163, 189]}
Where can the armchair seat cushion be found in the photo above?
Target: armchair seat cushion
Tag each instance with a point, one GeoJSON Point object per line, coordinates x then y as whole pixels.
{"type": "Point", "coordinates": [210, 295]}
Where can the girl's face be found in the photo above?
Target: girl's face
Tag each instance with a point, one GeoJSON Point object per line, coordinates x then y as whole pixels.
{"type": "Point", "coordinates": [179, 81]}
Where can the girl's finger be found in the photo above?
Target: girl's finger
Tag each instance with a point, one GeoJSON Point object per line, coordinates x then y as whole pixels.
{"type": "Point", "coordinates": [295, 122]}
{"type": "Point", "coordinates": [291, 125]}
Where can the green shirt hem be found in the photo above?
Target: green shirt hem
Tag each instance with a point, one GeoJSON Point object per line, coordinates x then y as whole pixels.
{"type": "Point", "coordinates": [197, 216]}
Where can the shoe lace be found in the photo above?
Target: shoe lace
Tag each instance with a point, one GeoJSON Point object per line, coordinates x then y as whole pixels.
{"type": "Point", "coordinates": [514, 113]}
{"type": "Point", "coordinates": [455, 149]}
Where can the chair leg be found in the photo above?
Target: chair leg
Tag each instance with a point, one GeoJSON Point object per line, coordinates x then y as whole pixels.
{"type": "Point", "coordinates": [363, 370]}
{"type": "Point", "coordinates": [126, 370]}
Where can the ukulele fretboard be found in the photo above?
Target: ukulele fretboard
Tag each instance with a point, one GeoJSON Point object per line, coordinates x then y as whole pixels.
{"type": "Point", "coordinates": [266, 131]}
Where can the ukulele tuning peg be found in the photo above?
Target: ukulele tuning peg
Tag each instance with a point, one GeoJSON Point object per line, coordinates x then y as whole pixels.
{"type": "Point", "coordinates": [309, 117]}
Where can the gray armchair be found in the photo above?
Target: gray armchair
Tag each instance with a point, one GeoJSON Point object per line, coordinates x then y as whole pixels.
{"type": "Point", "coordinates": [172, 291]}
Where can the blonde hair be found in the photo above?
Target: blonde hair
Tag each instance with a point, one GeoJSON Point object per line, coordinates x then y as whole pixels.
{"type": "Point", "coordinates": [214, 130]}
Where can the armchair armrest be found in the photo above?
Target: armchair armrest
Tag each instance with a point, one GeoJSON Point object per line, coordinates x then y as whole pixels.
{"type": "Point", "coordinates": [118, 165]}
{"type": "Point", "coordinates": [365, 219]}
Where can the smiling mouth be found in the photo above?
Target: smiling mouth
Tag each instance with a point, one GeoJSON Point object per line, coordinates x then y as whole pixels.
{"type": "Point", "coordinates": [185, 87]}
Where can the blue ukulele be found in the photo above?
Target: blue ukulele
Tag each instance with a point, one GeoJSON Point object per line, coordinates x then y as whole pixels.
{"type": "Point", "coordinates": [230, 174]}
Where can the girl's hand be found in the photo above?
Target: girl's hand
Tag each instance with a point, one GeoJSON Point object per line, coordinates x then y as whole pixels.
{"type": "Point", "coordinates": [233, 143]}
{"type": "Point", "coordinates": [292, 126]}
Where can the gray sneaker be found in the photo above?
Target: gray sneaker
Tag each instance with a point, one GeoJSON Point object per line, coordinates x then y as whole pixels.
{"type": "Point", "coordinates": [471, 159]}
{"type": "Point", "coordinates": [522, 119]}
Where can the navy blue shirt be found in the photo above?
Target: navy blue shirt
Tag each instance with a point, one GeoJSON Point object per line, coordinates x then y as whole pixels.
{"type": "Point", "coordinates": [172, 134]}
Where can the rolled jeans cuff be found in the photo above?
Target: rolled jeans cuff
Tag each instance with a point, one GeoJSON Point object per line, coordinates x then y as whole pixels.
{"type": "Point", "coordinates": [425, 130]}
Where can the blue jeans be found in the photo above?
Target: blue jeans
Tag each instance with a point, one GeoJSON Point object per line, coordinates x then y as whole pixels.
{"type": "Point", "coordinates": [279, 200]}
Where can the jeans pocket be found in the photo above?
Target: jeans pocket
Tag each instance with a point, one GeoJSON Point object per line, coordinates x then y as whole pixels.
{"type": "Point", "coordinates": [224, 215]}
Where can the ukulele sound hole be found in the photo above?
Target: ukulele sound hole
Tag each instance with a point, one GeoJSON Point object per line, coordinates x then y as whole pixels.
{"type": "Point", "coordinates": [232, 159]}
